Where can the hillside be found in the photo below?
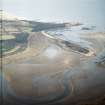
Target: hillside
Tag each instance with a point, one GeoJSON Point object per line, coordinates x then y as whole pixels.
{"type": "Point", "coordinates": [17, 31]}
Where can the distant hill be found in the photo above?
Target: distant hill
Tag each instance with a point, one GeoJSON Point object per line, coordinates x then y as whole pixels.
{"type": "Point", "coordinates": [13, 24]}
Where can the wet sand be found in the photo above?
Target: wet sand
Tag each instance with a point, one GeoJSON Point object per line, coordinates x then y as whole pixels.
{"type": "Point", "coordinates": [51, 73]}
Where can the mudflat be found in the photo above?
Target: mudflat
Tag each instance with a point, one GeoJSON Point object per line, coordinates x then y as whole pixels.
{"type": "Point", "coordinates": [52, 72]}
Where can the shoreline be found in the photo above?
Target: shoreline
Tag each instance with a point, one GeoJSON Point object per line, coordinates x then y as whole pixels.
{"type": "Point", "coordinates": [31, 47]}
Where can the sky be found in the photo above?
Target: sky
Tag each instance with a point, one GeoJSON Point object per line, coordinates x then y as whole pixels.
{"type": "Point", "coordinates": [52, 10]}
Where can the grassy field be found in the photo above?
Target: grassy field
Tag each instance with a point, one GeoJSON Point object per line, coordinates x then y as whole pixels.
{"type": "Point", "coordinates": [6, 48]}
{"type": "Point", "coordinates": [6, 37]}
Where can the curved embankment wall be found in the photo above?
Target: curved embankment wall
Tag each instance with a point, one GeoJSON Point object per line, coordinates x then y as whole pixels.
{"type": "Point", "coordinates": [66, 45]}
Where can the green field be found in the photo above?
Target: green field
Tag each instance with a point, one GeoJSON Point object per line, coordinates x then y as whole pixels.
{"type": "Point", "coordinates": [6, 48]}
{"type": "Point", "coordinates": [6, 37]}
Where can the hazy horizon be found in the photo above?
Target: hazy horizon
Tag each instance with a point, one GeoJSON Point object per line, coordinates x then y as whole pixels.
{"type": "Point", "coordinates": [89, 11]}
